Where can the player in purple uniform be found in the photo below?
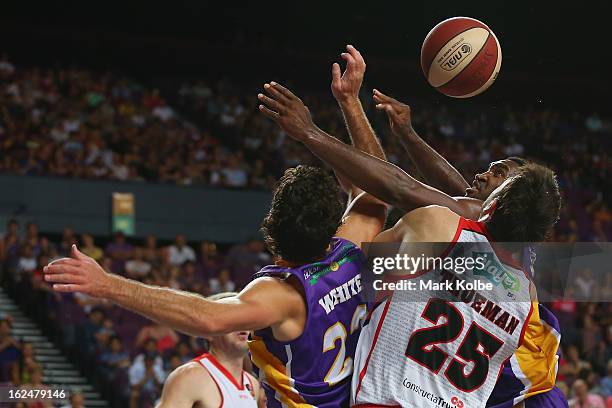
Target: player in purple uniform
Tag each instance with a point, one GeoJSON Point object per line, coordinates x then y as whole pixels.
{"type": "Point", "coordinates": [306, 310]}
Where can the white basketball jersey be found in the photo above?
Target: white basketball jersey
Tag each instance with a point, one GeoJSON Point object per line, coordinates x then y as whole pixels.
{"type": "Point", "coordinates": [232, 394]}
{"type": "Point", "coordinates": [444, 348]}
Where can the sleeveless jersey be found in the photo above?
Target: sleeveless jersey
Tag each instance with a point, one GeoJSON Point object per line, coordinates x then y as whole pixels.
{"type": "Point", "coordinates": [531, 372]}
{"type": "Point", "coordinates": [232, 394]}
{"type": "Point", "coordinates": [315, 369]}
{"type": "Point", "coordinates": [444, 348]}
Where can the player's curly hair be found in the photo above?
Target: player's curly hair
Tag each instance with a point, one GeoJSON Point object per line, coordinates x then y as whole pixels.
{"type": "Point", "coordinates": [304, 215]}
{"type": "Point", "coordinates": [527, 206]}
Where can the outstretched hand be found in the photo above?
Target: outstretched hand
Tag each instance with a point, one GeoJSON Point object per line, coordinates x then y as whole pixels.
{"type": "Point", "coordinates": [79, 273]}
{"type": "Point", "coordinates": [286, 109]}
{"type": "Point", "coordinates": [399, 113]}
{"type": "Point", "coordinates": [346, 86]}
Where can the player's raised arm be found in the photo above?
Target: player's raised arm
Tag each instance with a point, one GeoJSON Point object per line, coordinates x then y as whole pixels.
{"type": "Point", "coordinates": [383, 180]}
{"type": "Point", "coordinates": [365, 216]}
{"type": "Point", "coordinates": [345, 88]}
{"type": "Point", "coordinates": [438, 172]}
{"type": "Point", "coordinates": [189, 313]}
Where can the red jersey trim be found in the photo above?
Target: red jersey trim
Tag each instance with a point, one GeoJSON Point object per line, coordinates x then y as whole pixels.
{"type": "Point", "coordinates": [365, 366]}
{"type": "Point", "coordinates": [216, 363]}
{"type": "Point", "coordinates": [213, 378]}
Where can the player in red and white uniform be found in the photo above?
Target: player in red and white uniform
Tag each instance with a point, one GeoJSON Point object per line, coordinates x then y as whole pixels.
{"type": "Point", "coordinates": [446, 348]}
{"type": "Point", "coordinates": [215, 379]}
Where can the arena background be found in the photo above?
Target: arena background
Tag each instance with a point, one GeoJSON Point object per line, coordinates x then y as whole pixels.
{"type": "Point", "coordinates": [158, 100]}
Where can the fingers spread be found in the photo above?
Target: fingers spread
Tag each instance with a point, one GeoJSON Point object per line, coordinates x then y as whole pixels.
{"type": "Point", "coordinates": [268, 113]}
{"type": "Point", "coordinates": [275, 93]}
{"type": "Point", "coordinates": [288, 94]}
{"type": "Point", "coordinates": [272, 103]}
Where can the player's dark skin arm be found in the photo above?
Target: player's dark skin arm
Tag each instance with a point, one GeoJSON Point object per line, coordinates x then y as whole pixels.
{"type": "Point", "coordinates": [383, 180]}
{"type": "Point", "coordinates": [438, 172]}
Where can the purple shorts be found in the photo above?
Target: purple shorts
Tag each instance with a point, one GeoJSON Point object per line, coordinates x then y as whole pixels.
{"type": "Point", "coordinates": [551, 399]}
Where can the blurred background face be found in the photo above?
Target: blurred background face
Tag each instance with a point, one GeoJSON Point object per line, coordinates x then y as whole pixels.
{"type": "Point", "coordinates": [77, 401]}
{"type": "Point", "coordinates": [580, 388]}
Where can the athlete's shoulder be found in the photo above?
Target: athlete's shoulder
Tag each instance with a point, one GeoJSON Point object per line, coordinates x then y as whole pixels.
{"type": "Point", "coordinates": [188, 384]}
{"type": "Point", "coordinates": [426, 221]}
{"type": "Point", "coordinates": [189, 374]}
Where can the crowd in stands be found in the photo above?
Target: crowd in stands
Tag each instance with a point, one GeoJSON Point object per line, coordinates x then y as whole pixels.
{"type": "Point", "coordinates": [116, 346]}
{"type": "Point", "coordinates": [86, 124]}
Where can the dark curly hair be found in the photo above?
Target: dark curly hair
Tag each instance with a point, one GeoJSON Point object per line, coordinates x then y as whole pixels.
{"type": "Point", "coordinates": [304, 215]}
{"type": "Point", "coordinates": [527, 206]}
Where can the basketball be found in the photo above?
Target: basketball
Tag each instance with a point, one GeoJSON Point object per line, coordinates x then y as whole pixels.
{"type": "Point", "coordinates": [461, 57]}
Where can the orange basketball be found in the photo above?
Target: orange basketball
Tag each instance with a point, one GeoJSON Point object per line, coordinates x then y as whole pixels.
{"type": "Point", "coordinates": [461, 57]}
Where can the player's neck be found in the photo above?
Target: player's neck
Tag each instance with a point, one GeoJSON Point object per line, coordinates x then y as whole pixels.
{"type": "Point", "coordinates": [232, 363]}
{"type": "Point", "coordinates": [283, 262]}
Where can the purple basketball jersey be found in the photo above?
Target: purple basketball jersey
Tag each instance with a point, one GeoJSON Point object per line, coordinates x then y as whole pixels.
{"type": "Point", "coordinates": [315, 369]}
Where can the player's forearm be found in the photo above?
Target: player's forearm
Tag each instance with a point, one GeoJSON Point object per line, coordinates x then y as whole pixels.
{"type": "Point", "coordinates": [359, 128]}
{"type": "Point", "coordinates": [382, 179]}
{"type": "Point", "coordinates": [183, 311]}
{"type": "Point", "coordinates": [438, 172]}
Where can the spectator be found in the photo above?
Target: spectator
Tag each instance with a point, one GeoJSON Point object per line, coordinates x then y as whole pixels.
{"type": "Point", "coordinates": [180, 252]}
{"type": "Point", "coordinates": [9, 350]}
{"type": "Point", "coordinates": [27, 261]}
{"type": "Point", "coordinates": [583, 399]}
{"type": "Point", "coordinates": [89, 247]}
{"type": "Point", "coordinates": [89, 329]}
{"type": "Point", "coordinates": [150, 252]}
{"type": "Point", "coordinates": [190, 280]}
{"type": "Point", "coordinates": [165, 338]}
{"type": "Point", "coordinates": [32, 238]}
{"type": "Point", "coordinates": [571, 365]}
{"type": "Point", "coordinates": [76, 401]}
{"type": "Point", "coordinates": [12, 228]}
{"type": "Point", "coordinates": [184, 352]}
{"type": "Point", "coordinates": [222, 283]}
{"type": "Point", "coordinates": [23, 370]}
{"type": "Point", "coordinates": [146, 383]}
{"type": "Point", "coordinates": [119, 249]}
{"type": "Point", "coordinates": [606, 382]}
{"type": "Point", "coordinates": [148, 347]}
{"type": "Point", "coordinates": [114, 359]}
{"type": "Point", "coordinates": [586, 283]}
{"type": "Point", "coordinates": [137, 267]}
{"type": "Point", "coordinates": [68, 239]}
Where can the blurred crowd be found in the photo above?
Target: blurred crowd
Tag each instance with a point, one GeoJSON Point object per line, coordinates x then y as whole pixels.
{"type": "Point", "coordinates": [80, 123]}
{"type": "Point", "coordinates": [112, 345]}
